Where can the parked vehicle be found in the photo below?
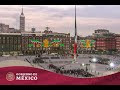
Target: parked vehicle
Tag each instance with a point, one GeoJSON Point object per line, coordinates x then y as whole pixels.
{"type": "Point", "coordinates": [38, 60]}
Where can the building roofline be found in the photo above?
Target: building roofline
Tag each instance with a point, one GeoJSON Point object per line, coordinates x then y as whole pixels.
{"type": "Point", "coordinates": [10, 33]}
{"type": "Point", "coordinates": [33, 33]}
{"type": "Point", "coordinates": [19, 33]}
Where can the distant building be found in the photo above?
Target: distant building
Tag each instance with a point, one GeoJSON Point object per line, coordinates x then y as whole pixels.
{"type": "Point", "coordinates": [4, 28]}
{"type": "Point", "coordinates": [22, 22]}
{"type": "Point", "coordinates": [11, 30]}
{"type": "Point", "coordinates": [17, 31]}
{"type": "Point", "coordinates": [47, 31]}
{"type": "Point", "coordinates": [101, 31]}
{"type": "Point", "coordinates": [33, 30]}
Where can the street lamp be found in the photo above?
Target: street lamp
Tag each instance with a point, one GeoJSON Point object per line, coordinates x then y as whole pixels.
{"type": "Point", "coordinates": [83, 64]}
{"type": "Point", "coordinates": [112, 65]}
{"type": "Point", "coordinates": [94, 59]}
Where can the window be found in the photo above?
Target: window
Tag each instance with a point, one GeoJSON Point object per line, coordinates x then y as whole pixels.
{"type": "Point", "coordinates": [3, 37]}
{"type": "Point", "coordinates": [7, 40]}
{"type": "Point", "coordinates": [11, 41]}
{"type": "Point", "coordinates": [18, 41]}
{"type": "Point", "coordinates": [3, 41]}
{"type": "Point", "coordinates": [15, 41]}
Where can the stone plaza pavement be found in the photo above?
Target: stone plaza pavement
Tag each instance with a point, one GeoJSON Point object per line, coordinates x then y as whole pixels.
{"type": "Point", "coordinates": [95, 69]}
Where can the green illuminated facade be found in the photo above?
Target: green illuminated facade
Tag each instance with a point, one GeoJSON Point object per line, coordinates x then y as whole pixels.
{"type": "Point", "coordinates": [55, 43]}
{"type": "Point", "coordinates": [33, 43]}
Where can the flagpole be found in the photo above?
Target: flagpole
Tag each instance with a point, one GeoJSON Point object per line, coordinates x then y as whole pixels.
{"type": "Point", "coordinates": [75, 43]}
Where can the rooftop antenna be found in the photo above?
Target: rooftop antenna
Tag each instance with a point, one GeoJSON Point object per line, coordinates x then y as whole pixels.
{"type": "Point", "coordinates": [22, 10]}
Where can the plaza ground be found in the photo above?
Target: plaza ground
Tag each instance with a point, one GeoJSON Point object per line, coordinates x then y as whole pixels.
{"type": "Point", "coordinates": [93, 68]}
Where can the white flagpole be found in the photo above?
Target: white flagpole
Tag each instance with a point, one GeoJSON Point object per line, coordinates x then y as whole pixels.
{"type": "Point", "coordinates": [75, 43]}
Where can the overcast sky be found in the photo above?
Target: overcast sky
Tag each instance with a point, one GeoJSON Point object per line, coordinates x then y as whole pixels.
{"type": "Point", "coordinates": [60, 18]}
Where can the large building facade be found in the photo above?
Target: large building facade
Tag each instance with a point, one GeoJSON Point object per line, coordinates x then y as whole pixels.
{"type": "Point", "coordinates": [105, 41]}
{"type": "Point", "coordinates": [117, 38]}
{"type": "Point", "coordinates": [4, 28]}
{"type": "Point", "coordinates": [34, 43]}
{"type": "Point", "coordinates": [86, 45]}
{"type": "Point", "coordinates": [10, 43]}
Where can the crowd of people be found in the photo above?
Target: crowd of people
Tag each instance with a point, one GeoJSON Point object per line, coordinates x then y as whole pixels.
{"type": "Point", "coordinates": [75, 72]}
{"type": "Point", "coordinates": [38, 60]}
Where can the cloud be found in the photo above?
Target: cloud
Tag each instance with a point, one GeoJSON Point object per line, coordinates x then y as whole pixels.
{"type": "Point", "coordinates": [61, 17]}
{"type": "Point", "coordinates": [97, 11]}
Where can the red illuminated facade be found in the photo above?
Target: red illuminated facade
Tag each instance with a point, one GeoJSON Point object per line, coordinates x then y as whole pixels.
{"type": "Point", "coordinates": [106, 43]}
{"type": "Point", "coordinates": [110, 43]}
{"type": "Point", "coordinates": [100, 44]}
{"type": "Point", "coordinates": [105, 40]}
{"type": "Point", "coordinates": [117, 37]}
